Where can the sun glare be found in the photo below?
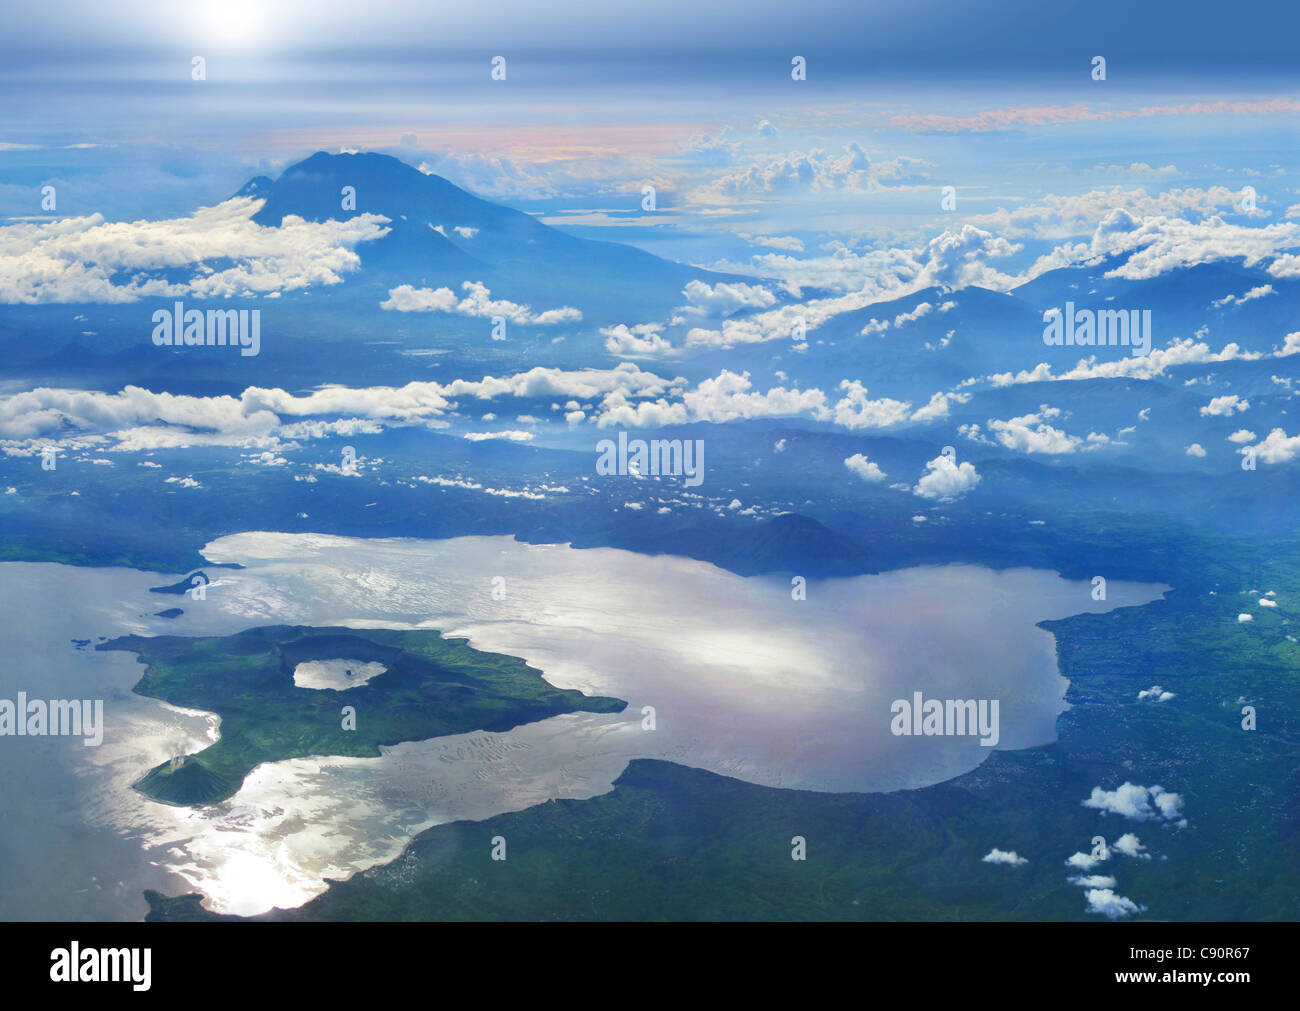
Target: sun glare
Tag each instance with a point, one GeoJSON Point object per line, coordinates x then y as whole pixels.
{"type": "Point", "coordinates": [231, 22]}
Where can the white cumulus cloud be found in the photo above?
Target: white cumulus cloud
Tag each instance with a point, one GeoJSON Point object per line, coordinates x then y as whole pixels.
{"type": "Point", "coordinates": [864, 468]}
{"type": "Point", "coordinates": [944, 479]}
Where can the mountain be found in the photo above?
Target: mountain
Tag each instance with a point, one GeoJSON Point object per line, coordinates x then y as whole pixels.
{"type": "Point", "coordinates": [192, 783]}
{"type": "Point", "coordinates": [441, 235]}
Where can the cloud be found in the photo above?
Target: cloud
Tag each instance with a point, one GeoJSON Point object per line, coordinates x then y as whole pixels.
{"type": "Point", "coordinates": [864, 468]}
{"type": "Point", "coordinates": [938, 406]}
{"type": "Point", "coordinates": [997, 856]}
{"type": "Point", "coordinates": [139, 418]}
{"type": "Point", "coordinates": [1225, 407]}
{"type": "Point", "coordinates": [512, 436]}
{"type": "Point", "coordinates": [1084, 861]}
{"type": "Point", "coordinates": [1153, 245]}
{"type": "Point", "coordinates": [1234, 300]}
{"type": "Point", "coordinates": [1059, 216]}
{"type": "Point", "coordinates": [463, 231]}
{"type": "Point", "coordinates": [1286, 266]}
{"type": "Point", "coordinates": [721, 148]}
{"type": "Point", "coordinates": [552, 174]}
{"type": "Point", "coordinates": [727, 397]}
{"type": "Point", "coordinates": [1196, 449]}
{"type": "Point", "coordinates": [1137, 802]}
{"type": "Point", "coordinates": [1049, 115]}
{"type": "Point", "coordinates": [781, 323]}
{"type": "Point", "coordinates": [580, 384]}
{"type": "Point", "coordinates": [813, 171]}
{"type": "Point", "coordinates": [1031, 434]}
{"type": "Point", "coordinates": [1184, 352]}
{"type": "Point", "coordinates": [1159, 245]}
{"type": "Point", "coordinates": [787, 242]}
{"type": "Point", "coordinates": [869, 276]}
{"type": "Point", "coordinates": [1157, 693]}
{"type": "Point", "coordinates": [79, 259]}
{"type": "Point", "coordinates": [1092, 881]}
{"type": "Point", "coordinates": [722, 299]}
{"type": "Point", "coordinates": [956, 259]}
{"type": "Point", "coordinates": [1278, 447]}
{"type": "Point", "coordinates": [477, 302]}
{"type": "Point", "coordinates": [642, 340]}
{"type": "Point", "coordinates": [1137, 168]}
{"type": "Point", "coordinates": [1106, 902]}
{"type": "Point", "coordinates": [855, 411]}
{"type": "Point", "coordinates": [1130, 846]}
{"type": "Point", "coordinates": [945, 479]}
{"type": "Point", "coordinates": [922, 309]}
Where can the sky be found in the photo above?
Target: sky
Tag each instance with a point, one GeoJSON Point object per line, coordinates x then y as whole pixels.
{"type": "Point", "coordinates": [899, 100]}
{"type": "Point", "coordinates": [927, 144]}
{"type": "Point", "coordinates": [588, 78]}
{"type": "Point", "coordinates": [969, 37]}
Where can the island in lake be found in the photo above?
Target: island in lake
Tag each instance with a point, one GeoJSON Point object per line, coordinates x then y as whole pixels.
{"type": "Point", "coordinates": [431, 686]}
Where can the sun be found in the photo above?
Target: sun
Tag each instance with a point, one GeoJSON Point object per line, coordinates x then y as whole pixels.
{"type": "Point", "coordinates": [231, 22]}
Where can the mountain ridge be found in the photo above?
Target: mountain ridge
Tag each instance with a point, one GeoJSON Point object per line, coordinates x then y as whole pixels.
{"type": "Point", "coordinates": [440, 235]}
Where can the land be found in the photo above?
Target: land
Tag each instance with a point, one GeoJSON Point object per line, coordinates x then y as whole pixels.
{"type": "Point", "coordinates": [671, 842]}
{"type": "Point", "coordinates": [433, 686]}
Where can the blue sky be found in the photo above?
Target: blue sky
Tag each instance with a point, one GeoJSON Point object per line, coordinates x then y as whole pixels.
{"type": "Point", "coordinates": [599, 98]}
{"type": "Point", "coordinates": [918, 34]}
{"type": "Point", "coordinates": [900, 100]}
{"type": "Point", "coordinates": [826, 193]}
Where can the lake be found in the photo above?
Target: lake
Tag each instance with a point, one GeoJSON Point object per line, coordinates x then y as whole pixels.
{"type": "Point", "coordinates": [743, 680]}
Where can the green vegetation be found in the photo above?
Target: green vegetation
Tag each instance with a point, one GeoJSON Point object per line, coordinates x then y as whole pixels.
{"type": "Point", "coordinates": [432, 687]}
{"type": "Point", "coordinates": [671, 842]}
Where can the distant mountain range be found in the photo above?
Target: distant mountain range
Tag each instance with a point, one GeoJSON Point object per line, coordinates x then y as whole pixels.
{"type": "Point", "coordinates": [441, 236]}
{"type": "Point", "coordinates": [906, 349]}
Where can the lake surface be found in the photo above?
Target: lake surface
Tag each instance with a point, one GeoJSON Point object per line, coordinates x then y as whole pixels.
{"type": "Point", "coordinates": [338, 675]}
{"type": "Point", "coordinates": [743, 681]}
